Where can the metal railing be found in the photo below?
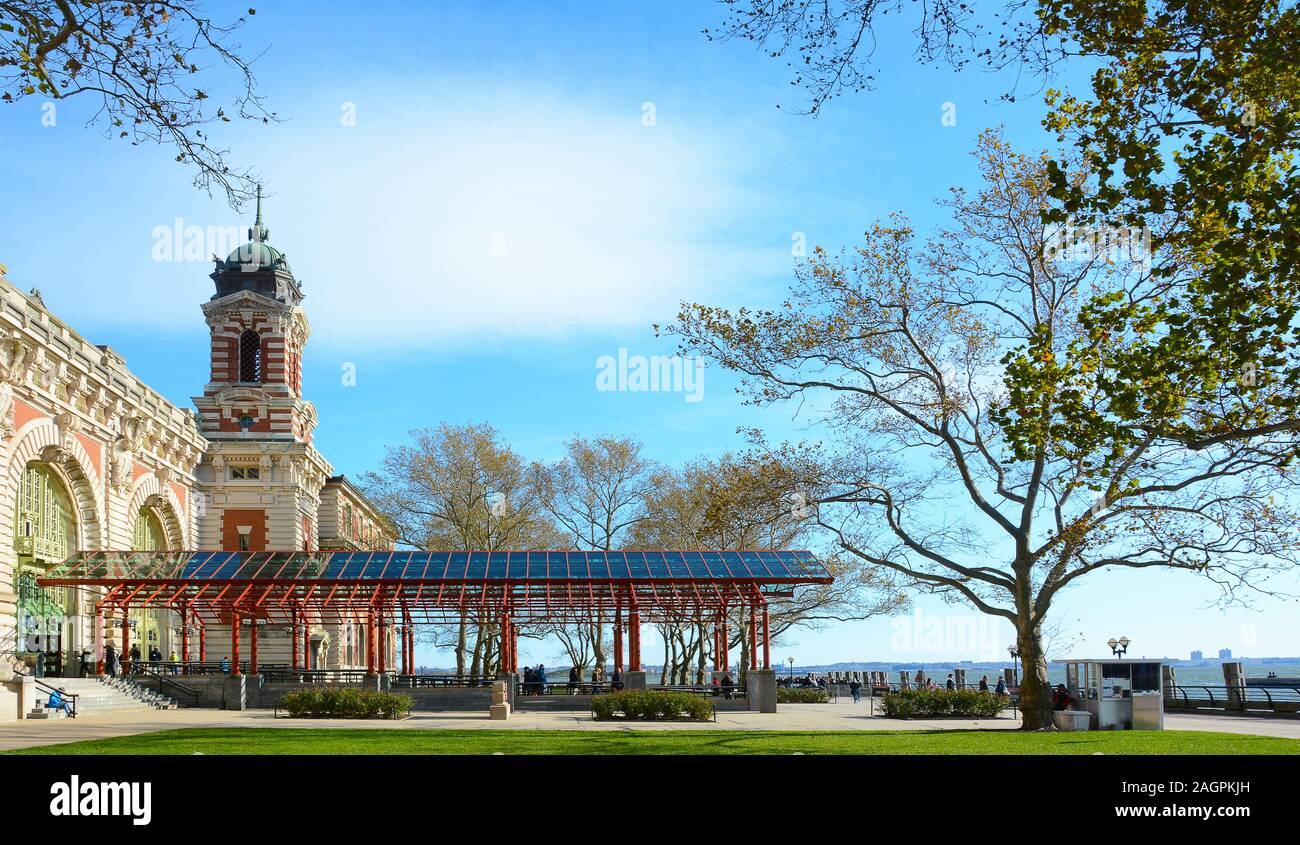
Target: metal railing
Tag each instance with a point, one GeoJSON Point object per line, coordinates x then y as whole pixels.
{"type": "Point", "coordinates": [289, 675]}
{"type": "Point", "coordinates": [169, 682]}
{"type": "Point", "coordinates": [702, 690]}
{"type": "Point", "coordinates": [66, 696]}
{"type": "Point", "coordinates": [1222, 696]}
{"type": "Point", "coordinates": [442, 681]}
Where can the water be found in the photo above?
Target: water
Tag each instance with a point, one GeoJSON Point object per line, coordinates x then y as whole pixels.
{"type": "Point", "coordinates": [1208, 673]}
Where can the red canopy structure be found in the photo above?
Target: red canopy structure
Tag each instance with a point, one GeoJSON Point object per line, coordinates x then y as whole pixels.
{"type": "Point", "coordinates": [508, 587]}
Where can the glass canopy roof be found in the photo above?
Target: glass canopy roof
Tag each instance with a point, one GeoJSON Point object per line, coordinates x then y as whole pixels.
{"type": "Point", "coordinates": [518, 567]}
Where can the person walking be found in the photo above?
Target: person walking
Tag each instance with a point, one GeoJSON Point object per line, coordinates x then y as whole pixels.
{"type": "Point", "coordinates": [225, 665]}
{"type": "Point", "coordinates": [110, 660]}
{"type": "Point", "coordinates": [173, 660]}
{"type": "Point", "coordinates": [855, 687]}
{"type": "Point", "coordinates": [135, 658]}
{"type": "Point", "coordinates": [984, 684]}
{"type": "Point", "coordinates": [616, 680]}
{"type": "Point", "coordinates": [951, 684]}
{"type": "Point", "coordinates": [574, 678]}
{"type": "Point", "coordinates": [1001, 688]}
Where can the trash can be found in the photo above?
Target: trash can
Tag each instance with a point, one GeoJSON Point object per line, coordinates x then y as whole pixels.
{"type": "Point", "coordinates": [1073, 720]}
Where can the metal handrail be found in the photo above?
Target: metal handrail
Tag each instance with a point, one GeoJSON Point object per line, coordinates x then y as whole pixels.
{"type": "Point", "coordinates": [71, 698]}
{"type": "Point", "coordinates": [1216, 695]}
{"type": "Point", "coordinates": [172, 682]}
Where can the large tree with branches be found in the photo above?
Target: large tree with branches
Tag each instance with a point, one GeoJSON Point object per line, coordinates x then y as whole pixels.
{"type": "Point", "coordinates": [149, 66]}
{"type": "Point", "coordinates": [744, 502]}
{"type": "Point", "coordinates": [459, 487]}
{"type": "Point", "coordinates": [596, 493]}
{"type": "Point", "coordinates": [965, 371]}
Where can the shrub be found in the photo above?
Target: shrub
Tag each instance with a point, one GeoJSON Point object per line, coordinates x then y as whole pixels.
{"type": "Point", "coordinates": [346, 703]}
{"type": "Point", "coordinates": [801, 695]}
{"type": "Point", "coordinates": [651, 705]}
{"type": "Point", "coordinates": [920, 703]}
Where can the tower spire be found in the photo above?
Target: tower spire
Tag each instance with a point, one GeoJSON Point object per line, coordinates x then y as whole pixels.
{"type": "Point", "coordinates": [259, 232]}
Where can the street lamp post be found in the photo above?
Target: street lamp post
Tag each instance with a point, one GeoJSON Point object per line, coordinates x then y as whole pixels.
{"type": "Point", "coordinates": [1119, 647]}
{"type": "Point", "coordinates": [790, 660]}
{"type": "Point", "coordinates": [1015, 676]}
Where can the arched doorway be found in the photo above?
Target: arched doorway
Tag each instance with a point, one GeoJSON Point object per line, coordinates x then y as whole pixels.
{"type": "Point", "coordinates": [151, 629]}
{"type": "Point", "coordinates": [44, 534]}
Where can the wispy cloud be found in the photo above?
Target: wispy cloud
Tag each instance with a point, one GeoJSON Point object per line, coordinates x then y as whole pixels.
{"type": "Point", "coordinates": [508, 215]}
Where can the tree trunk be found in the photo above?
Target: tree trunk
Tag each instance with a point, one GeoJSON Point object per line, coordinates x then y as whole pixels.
{"type": "Point", "coordinates": [598, 641]}
{"type": "Point", "coordinates": [476, 668]}
{"type": "Point", "coordinates": [1035, 688]}
{"type": "Point", "coordinates": [663, 672]}
{"type": "Point", "coordinates": [460, 648]}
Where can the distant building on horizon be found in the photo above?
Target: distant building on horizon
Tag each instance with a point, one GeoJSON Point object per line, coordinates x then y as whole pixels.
{"type": "Point", "coordinates": [1198, 656]}
{"type": "Point", "coordinates": [1225, 654]}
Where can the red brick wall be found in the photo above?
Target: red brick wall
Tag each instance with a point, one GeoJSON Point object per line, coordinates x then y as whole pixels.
{"type": "Point", "coordinates": [232, 518]}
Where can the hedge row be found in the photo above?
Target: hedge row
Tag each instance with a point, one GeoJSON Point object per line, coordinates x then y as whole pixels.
{"type": "Point", "coordinates": [801, 695]}
{"type": "Point", "coordinates": [920, 703]}
{"type": "Point", "coordinates": [651, 705]}
{"type": "Point", "coordinates": [346, 703]}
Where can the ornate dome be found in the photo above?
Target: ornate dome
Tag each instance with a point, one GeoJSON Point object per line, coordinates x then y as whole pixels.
{"type": "Point", "coordinates": [257, 254]}
{"type": "Point", "coordinates": [257, 267]}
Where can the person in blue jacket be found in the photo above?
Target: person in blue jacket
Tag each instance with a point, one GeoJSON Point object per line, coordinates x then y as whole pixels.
{"type": "Point", "coordinates": [58, 702]}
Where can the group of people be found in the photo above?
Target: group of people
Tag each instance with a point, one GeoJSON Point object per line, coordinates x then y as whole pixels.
{"type": "Point", "coordinates": [113, 660]}
{"type": "Point", "coordinates": [534, 680]}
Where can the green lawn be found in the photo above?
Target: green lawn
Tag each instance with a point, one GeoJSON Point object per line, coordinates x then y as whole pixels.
{"type": "Point", "coordinates": [397, 741]}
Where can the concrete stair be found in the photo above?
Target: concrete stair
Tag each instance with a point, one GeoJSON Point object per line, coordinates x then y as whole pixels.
{"type": "Point", "coordinates": [103, 695]}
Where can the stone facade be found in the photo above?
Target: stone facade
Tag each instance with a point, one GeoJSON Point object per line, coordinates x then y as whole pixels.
{"type": "Point", "coordinates": [91, 458]}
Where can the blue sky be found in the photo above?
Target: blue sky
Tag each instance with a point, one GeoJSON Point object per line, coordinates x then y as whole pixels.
{"type": "Point", "coordinates": [500, 215]}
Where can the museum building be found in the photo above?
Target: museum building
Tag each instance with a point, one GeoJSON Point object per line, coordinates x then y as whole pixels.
{"type": "Point", "coordinates": [92, 458]}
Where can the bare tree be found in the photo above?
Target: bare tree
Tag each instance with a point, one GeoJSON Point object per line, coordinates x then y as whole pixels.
{"type": "Point", "coordinates": [146, 61]}
{"type": "Point", "coordinates": [597, 494]}
{"type": "Point", "coordinates": [746, 502]}
{"type": "Point", "coordinates": [461, 488]}
{"type": "Point", "coordinates": [980, 455]}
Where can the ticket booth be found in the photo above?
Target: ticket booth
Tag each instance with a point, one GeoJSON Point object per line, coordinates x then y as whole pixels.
{"type": "Point", "coordinates": [1119, 694]}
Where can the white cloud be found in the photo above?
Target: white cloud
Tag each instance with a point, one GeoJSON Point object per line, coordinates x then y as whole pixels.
{"type": "Point", "coordinates": [514, 216]}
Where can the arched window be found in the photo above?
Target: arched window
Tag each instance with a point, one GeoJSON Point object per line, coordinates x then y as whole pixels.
{"type": "Point", "coordinates": [43, 525]}
{"type": "Point", "coordinates": [150, 628]}
{"type": "Point", "coordinates": [250, 357]}
{"type": "Point", "coordinates": [148, 532]}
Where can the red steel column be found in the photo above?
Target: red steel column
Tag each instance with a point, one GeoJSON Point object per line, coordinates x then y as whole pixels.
{"type": "Point", "coordinates": [753, 636]}
{"type": "Point", "coordinates": [370, 644]}
{"type": "Point", "coordinates": [634, 634]}
{"type": "Point", "coordinates": [383, 644]}
{"type": "Point", "coordinates": [767, 650]}
{"type": "Point", "coordinates": [185, 636]}
{"type": "Point", "coordinates": [618, 639]}
{"type": "Point", "coordinates": [234, 643]}
{"type": "Point", "coordinates": [252, 657]}
{"type": "Point", "coordinates": [514, 648]}
{"type": "Point", "coordinates": [203, 641]}
{"type": "Point", "coordinates": [125, 658]}
{"type": "Point", "coordinates": [726, 641]}
{"type": "Point", "coordinates": [99, 640]}
{"type": "Point", "coordinates": [293, 650]}
{"type": "Point", "coordinates": [306, 641]}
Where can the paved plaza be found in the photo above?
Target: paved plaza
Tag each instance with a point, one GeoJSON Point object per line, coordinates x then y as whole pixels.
{"type": "Point", "coordinates": [803, 717]}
